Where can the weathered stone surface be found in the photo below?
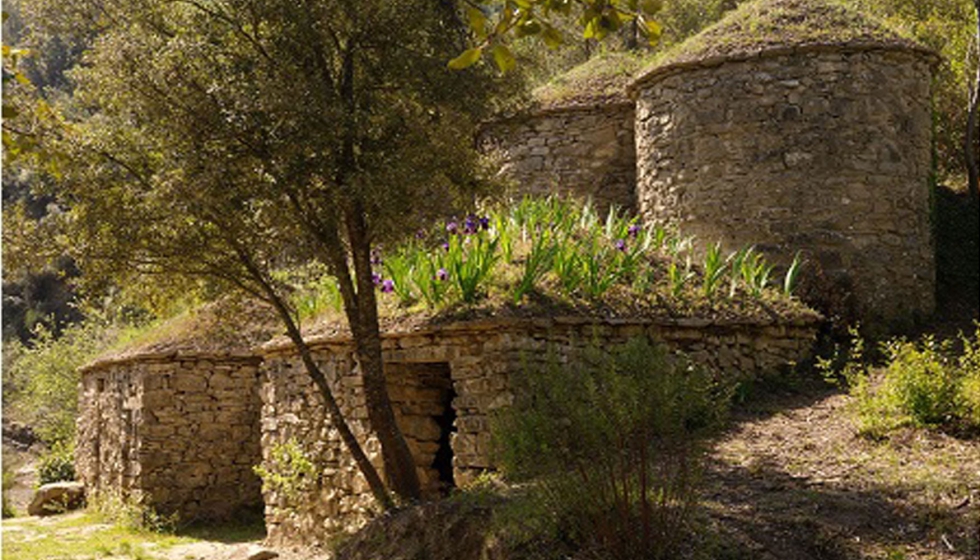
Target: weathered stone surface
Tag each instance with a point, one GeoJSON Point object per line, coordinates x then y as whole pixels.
{"type": "Point", "coordinates": [473, 383]}
{"type": "Point", "coordinates": [182, 434]}
{"type": "Point", "coordinates": [585, 151]}
{"type": "Point", "coordinates": [57, 497]}
{"type": "Point", "coordinates": [828, 154]}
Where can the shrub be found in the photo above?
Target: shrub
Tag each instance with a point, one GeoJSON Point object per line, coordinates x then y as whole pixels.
{"type": "Point", "coordinates": [288, 472]}
{"type": "Point", "coordinates": [611, 444]}
{"type": "Point", "coordinates": [8, 482]}
{"type": "Point", "coordinates": [924, 384]}
{"type": "Point", "coordinates": [132, 513]}
{"type": "Point", "coordinates": [43, 379]}
{"type": "Point", "coordinates": [57, 465]}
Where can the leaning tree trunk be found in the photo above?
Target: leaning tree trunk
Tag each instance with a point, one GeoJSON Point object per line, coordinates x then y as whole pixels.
{"type": "Point", "coordinates": [336, 416]}
{"type": "Point", "coordinates": [360, 302]}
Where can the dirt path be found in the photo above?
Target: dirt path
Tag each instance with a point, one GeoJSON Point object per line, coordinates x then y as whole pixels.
{"type": "Point", "coordinates": [791, 479]}
{"type": "Point", "coordinates": [794, 479]}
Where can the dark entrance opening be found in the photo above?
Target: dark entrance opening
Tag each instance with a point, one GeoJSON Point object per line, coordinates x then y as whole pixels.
{"type": "Point", "coordinates": [443, 462]}
{"type": "Point", "coordinates": [422, 393]}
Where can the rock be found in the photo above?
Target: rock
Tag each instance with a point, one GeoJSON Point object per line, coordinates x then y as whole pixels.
{"type": "Point", "coordinates": [57, 497]}
{"type": "Point", "coordinates": [20, 436]}
{"type": "Point", "coordinates": [251, 552]}
{"type": "Point", "coordinates": [256, 552]}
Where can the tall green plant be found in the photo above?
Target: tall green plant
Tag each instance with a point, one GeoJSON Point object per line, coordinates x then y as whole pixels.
{"type": "Point", "coordinates": [613, 445]}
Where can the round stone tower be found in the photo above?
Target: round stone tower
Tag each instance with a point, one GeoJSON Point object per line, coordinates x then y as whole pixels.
{"type": "Point", "coordinates": [799, 125]}
{"type": "Point", "coordinates": [576, 137]}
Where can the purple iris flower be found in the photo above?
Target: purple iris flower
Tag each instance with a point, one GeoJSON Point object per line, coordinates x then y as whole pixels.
{"type": "Point", "coordinates": [376, 278]}
{"type": "Point", "coordinates": [621, 245]}
{"type": "Point", "coordinates": [444, 245]}
{"type": "Point", "coordinates": [452, 228]}
{"type": "Point", "coordinates": [485, 222]}
{"type": "Point", "coordinates": [420, 234]}
{"type": "Point", "coordinates": [634, 230]}
{"type": "Point", "coordinates": [376, 256]}
{"type": "Point", "coordinates": [471, 225]}
{"type": "Point", "coordinates": [388, 286]}
{"type": "Point", "coordinates": [442, 274]}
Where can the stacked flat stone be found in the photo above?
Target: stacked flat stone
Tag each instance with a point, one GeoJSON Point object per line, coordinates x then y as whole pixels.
{"type": "Point", "coordinates": [177, 431]}
{"type": "Point", "coordinates": [477, 359]}
{"type": "Point", "coordinates": [797, 125]}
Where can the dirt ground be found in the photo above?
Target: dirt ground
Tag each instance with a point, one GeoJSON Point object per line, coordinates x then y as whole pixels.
{"type": "Point", "coordinates": [794, 479]}
{"type": "Point", "coordinates": [791, 479]}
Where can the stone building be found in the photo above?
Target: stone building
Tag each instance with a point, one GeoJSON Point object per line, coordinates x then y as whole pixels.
{"type": "Point", "coordinates": [183, 428]}
{"type": "Point", "coordinates": [178, 430]}
{"type": "Point", "coordinates": [791, 125]}
{"type": "Point", "coordinates": [577, 138]}
{"type": "Point", "coordinates": [174, 420]}
{"type": "Point", "coordinates": [445, 382]}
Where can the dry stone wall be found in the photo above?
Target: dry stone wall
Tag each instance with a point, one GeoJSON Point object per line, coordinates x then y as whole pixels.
{"type": "Point", "coordinates": [586, 151]}
{"type": "Point", "coordinates": [824, 150]}
{"type": "Point", "coordinates": [445, 383]}
{"type": "Point", "coordinates": [179, 431]}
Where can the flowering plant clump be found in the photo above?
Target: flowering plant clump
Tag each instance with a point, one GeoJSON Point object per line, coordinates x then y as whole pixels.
{"type": "Point", "coordinates": [568, 250]}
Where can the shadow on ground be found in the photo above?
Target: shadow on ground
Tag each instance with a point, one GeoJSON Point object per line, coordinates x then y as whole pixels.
{"type": "Point", "coordinates": [792, 479]}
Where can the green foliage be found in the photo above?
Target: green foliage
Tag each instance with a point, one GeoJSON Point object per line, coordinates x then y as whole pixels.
{"type": "Point", "coordinates": [289, 470]}
{"type": "Point", "coordinates": [41, 382]}
{"type": "Point", "coordinates": [925, 384]}
{"type": "Point", "coordinates": [559, 246]}
{"type": "Point", "coordinates": [611, 443]}
{"type": "Point", "coordinates": [542, 19]}
{"type": "Point", "coordinates": [9, 479]}
{"type": "Point", "coordinates": [131, 513]}
{"type": "Point", "coordinates": [469, 261]}
{"type": "Point", "coordinates": [57, 465]}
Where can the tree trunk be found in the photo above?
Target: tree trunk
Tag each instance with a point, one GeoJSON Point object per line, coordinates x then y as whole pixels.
{"type": "Point", "coordinates": [970, 141]}
{"type": "Point", "coordinates": [360, 303]}
{"type": "Point", "coordinates": [377, 486]}
{"type": "Point", "coordinates": [399, 462]}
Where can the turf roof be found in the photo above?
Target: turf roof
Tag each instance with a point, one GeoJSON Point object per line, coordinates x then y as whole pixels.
{"type": "Point", "coordinates": [600, 80]}
{"type": "Point", "coordinates": [771, 25]}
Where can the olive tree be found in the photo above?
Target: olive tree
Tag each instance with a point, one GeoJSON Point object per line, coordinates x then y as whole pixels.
{"type": "Point", "coordinates": [230, 138]}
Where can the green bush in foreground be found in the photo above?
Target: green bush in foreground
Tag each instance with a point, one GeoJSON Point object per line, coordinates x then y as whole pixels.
{"type": "Point", "coordinates": [926, 384]}
{"type": "Point", "coordinates": [610, 446]}
{"type": "Point", "coordinates": [9, 478]}
{"type": "Point", "coordinates": [57, 465]}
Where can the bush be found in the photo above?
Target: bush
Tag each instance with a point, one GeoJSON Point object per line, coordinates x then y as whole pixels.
{"type": "Point", "coordinates": [8, 483]}
{"type": "Point", "coordinates": [57, 465]}
{"type": "Point", "coordinates": [611, 444]}
{"type": "Point", "coordinates": [132, 513]}
{"type": "Point", "coordinates": [924, 385]}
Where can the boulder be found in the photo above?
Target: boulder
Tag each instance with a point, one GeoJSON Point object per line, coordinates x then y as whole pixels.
{"type": "Point", "coordinates": [57, 497]}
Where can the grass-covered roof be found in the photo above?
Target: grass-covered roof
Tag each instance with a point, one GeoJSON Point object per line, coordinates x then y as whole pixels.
{"type": "Point", "coordinates": [773, 25]}
{"type": "Point", "coordinates": [600, 80]}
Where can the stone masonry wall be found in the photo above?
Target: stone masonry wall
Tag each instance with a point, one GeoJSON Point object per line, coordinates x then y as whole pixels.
{"type": "Point", "coordinates": [477, 359]}
{"type": "Point", "coordinates": [584, 151]}
{"type": "Point", "coordinates": [180, 431]}
{"type": "Point", "coordinates": [825, 150]}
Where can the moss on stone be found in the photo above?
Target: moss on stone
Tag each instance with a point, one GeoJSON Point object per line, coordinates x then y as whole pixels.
{"type": "Point", "coordinates": [764, 25]}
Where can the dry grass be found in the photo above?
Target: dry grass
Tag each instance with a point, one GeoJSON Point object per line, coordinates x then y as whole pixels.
{"type": "Point", "coordinates": [767, 24]}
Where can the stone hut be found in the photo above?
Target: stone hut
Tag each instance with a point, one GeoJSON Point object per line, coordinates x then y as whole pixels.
{"type": "Point", "coordinates": [174, 423]}
{"type": "Point", "coordinates": [445, 381]}
{"type": "Point", "coordinates": [791, 125]}
{"type": "Point", "coordinates": [576, 138]}
{"type": "Point", "coordinates": [798, 125]}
